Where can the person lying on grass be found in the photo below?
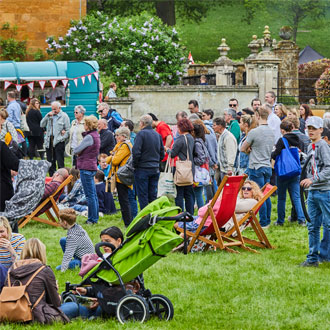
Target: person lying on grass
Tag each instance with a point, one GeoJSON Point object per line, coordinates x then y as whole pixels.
{"type": "Point", "coordinates": [248, 197]}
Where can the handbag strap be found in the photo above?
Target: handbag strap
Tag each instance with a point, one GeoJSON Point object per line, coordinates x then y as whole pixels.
{"type": "Point", "coordinates": [187, 146]}
{"type": "Point", "coordinates": [30, 279]}
{"type": "Point", "coordinates": [285, 142]}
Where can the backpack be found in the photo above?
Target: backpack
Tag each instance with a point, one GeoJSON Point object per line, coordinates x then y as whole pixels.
{"type": "Point", "coordinates": [15, 305]}
{"type": "Point", "coordinates": [13, 145]}
{"type": "Point", "coordinates": [126, 173]}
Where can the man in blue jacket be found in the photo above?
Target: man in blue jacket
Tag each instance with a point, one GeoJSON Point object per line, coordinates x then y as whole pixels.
{"type": "Point", "coordinates": [148, 151]}
{"type": "Point", "coordinates": [112, 117]}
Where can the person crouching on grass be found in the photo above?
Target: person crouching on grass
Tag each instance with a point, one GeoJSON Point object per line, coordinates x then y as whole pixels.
{"type": "Point", "coordinates": [77, 242]}
{"type": "Point", "coordinates": [318, 182]}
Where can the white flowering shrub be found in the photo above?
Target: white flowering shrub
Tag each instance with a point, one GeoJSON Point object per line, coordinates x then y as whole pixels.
{"type": "Point", "coordinates": [131, 51]}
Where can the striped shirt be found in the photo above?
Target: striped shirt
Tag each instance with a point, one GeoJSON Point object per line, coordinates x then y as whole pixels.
{"type": "Point", "coordinates": [77, 245]}
{"type": "Point", "coordinates": [17, 241]}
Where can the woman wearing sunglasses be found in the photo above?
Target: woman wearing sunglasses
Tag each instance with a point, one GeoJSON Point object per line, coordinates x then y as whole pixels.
{"type": "Point", "coordinates": [248, 196]}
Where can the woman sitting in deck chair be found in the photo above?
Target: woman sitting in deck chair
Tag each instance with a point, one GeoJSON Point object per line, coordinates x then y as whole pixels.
{"type": "Point", "coordinates": [249, 196]}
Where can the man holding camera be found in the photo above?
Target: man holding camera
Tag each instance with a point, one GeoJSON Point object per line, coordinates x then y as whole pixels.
{"type": "Point", "coordinates": [57, 125]}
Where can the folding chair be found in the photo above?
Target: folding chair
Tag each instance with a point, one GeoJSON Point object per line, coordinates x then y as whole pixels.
{"type": "Point", "coordinates": [35, 215]}
{"type": "Point", "coordinates": [251, 217]}
{"type": "Point", "coordinates": [229, 187]}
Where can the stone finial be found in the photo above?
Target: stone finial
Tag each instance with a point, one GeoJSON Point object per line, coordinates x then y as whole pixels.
{"type": "Point", "coordinates": [223, 48]}
{"type": "Point", "coordinates": [254, 46]}
{"type": "Point", "coordinates": [267, 38]}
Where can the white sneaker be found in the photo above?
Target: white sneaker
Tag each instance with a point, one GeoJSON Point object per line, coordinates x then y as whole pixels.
{"type": "Point", "coordinates": [84, 214]}
{"type": "Point", "coordinates": [101, 215]}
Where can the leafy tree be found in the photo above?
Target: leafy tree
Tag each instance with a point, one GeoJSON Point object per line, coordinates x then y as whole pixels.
{"type": "Point", "coordinates": [10, 47]}
{"type": "Point", "coordinates": [138, 50]}
{"type": "Point", "coordinates": [166, 10]}
{"type": "Point", "coordinates": [295, 11]}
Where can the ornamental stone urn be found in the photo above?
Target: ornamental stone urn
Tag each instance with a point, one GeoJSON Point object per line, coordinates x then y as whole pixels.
{"type": "Point", "coordinates": [285, 32]}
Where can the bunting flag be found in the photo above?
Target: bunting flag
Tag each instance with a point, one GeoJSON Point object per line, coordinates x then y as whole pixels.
{"type": "Point", "coordinates": [65, 82]}
{"type": "Point", "coordinates": [42, 83]}
{"type": "Point", "coordinates": [190, 58]}
{"type": "Point", "coordinates": [31, 85]}
{"type": "Point", "coordinates": [7, 84]}
{"type": "Point", "coordinates": [53, 83]}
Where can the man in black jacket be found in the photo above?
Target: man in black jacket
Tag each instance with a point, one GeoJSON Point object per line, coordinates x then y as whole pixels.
{"type": "Point", "coordinates": [8, 161]}
{"type": "Point", "coordinates": [106, 136]}
{"type": "Point", "coordinates": [148, 151]}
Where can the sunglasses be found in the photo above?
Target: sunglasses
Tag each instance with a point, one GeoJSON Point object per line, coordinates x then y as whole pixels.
{"type": "Point", "coordinates": [246, 188]}
{"type": "Point", "coordinates": [76, 112]}
{"type": "Point", "coordinates": [233, 105]}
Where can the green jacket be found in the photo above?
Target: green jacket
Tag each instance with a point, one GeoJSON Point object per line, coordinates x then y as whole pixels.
{"type": "Point", "coordinates": [234, 129]}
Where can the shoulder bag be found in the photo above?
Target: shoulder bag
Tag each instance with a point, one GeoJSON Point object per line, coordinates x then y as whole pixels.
{"type": "Point", "coordinates": [15, 305]}
{"type": "Point", "coordinates": [125, 173]}
{"type": "Point", "coordinates": [287, 163]}
{"type": "Point", "coordinates": [183, 174]}
{"type": "Point", "coordinates": [166, 186]}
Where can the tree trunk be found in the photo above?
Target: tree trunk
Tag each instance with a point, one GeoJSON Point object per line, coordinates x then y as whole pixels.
{"type": "Point", "coordinates": [165, 10]}
{"type": "Point", "coordinates": [295, 24]}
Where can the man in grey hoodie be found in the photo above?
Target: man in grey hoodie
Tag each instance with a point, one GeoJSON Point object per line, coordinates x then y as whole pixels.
{"type": "Point", "coordinates": [318, 182]}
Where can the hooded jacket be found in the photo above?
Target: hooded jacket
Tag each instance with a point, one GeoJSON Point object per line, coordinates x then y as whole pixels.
{"type": "Point", "coordinates": [47, 310]}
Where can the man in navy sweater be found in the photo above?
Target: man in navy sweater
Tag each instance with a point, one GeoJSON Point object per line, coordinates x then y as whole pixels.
{"type": "Point", "coordinates": [148, 152]}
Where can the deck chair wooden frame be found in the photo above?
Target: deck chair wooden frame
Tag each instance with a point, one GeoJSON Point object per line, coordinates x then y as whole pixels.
{"type": "Point", "coordinates": [251, 216]}
{"type": "Point", "coordinates": [52, 199]}
{"type": "Point", "coordinates": [218, 240]}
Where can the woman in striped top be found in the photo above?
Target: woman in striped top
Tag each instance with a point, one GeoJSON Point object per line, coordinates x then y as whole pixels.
{"type": "Point", "coordinates": [11, 244]}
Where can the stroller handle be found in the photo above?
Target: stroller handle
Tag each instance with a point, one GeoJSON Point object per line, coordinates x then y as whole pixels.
{"type": "Point", "coordinates": [184, 216]}
{"type": "Point", "coordinates": [98, 245]}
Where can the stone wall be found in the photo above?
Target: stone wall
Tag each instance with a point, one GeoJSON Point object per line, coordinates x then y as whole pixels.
{"type": "Point", "coordinates": [166, 101]}
{"type": "Point", "coordinates": [38, 19]}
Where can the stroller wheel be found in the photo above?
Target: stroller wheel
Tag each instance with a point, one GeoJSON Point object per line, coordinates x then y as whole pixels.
{"type": "Point", "coordinates": [68, 297]}
{"type": "Point", "coordinates": [161, 307]}
{"type": "Point", "coordinates": [132, 308]}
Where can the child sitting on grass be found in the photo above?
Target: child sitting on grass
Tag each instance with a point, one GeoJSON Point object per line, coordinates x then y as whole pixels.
{"type": "Point", "coordinates": [103, 166]}
{"type": "Point", "coordinates": [106, 203]}
{"type": "Point", "coordinates": [77, 242]}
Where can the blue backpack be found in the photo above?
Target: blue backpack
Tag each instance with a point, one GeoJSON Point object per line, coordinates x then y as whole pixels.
{"type": "Point", "coordinates": [287, 164]}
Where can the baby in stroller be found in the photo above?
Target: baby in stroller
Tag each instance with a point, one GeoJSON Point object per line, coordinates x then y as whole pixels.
{"type": "Point", "coordinates": [87, 305]}
{"type": "Point", "coordinates": [114, 287]}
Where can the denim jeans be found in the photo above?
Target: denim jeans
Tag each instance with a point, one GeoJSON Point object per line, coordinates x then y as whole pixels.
{"type": "Point", "coordinates": [146, 183]}
{"type": "Point", "coordinates": [186, 193]}
{"type": "Point", "coordinates": [198, 191]}
{"type": "Point", "coordinates": [72, 310]}
{"type": "Point", "coordinates": [80, 208]}
{"type": "Point", "coordinates": [292, 185]}
{"type": "Point", "coordinates": [87, 180]}
{"type": "Point", "coordinates": [75, 262]}
{"type": "Point", "coordinates": [262, 176]}
{"type": "Point", "coordinates": [325, 243]}
{"type": "Point", "coordinates": [318, 203]}
{"type": "Point", "coordinates": [132, 201]}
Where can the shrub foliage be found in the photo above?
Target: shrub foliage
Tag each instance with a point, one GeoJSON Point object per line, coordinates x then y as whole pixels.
{"type": "Point", "coordinates": [322, 87]}
{"type": "Point", "coordinates": [137, 50]}
{"type": "Point", "coordinates": [309, 73]}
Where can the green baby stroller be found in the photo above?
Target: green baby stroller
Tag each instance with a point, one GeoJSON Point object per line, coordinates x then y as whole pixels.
{"type": "Point", "coordinates": [148, 238]}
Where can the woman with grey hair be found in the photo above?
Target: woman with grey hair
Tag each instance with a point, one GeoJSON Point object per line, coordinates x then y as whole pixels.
{"type": "Point", "coordinates": [76, 130]}
{"type": "Point", "coordinates": [326, 120]}
{"type": "Point", "coordinates": [118, 158]}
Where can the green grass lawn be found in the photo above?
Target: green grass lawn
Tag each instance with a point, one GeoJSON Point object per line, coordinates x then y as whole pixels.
{"type": "Point", "coordinates": [219, 290]}
{"type": "Point", "coordinates": [227, 22]}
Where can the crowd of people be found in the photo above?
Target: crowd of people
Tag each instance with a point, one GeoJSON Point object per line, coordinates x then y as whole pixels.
{"type": "Point", "coordinates": [248, 142]}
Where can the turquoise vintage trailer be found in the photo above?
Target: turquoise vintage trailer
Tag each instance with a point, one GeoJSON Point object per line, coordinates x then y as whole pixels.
{"type": "Point", "coordinates": [22, 73]}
